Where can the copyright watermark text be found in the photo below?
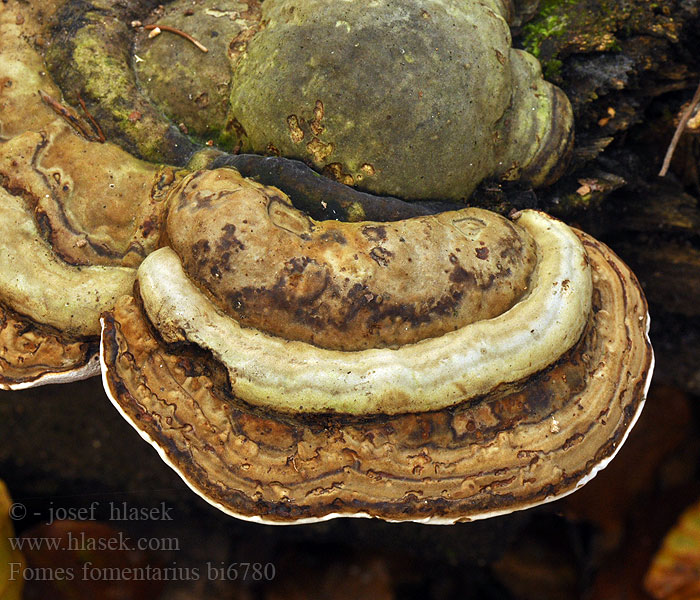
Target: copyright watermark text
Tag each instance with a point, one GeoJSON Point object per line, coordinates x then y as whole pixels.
{"type": "Point", "coordinates": [117, 511]}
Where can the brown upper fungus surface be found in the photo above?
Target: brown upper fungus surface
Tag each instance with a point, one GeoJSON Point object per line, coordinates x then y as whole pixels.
{"type": "Point", "coordinates": [340, 285]}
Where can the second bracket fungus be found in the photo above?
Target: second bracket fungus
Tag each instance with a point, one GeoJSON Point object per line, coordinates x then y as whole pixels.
{"type": "Point", "coordinates": [420, 100]}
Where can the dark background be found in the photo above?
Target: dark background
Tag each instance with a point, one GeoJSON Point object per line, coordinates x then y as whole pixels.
{"type": "Point", "coordinates": [629, 68]}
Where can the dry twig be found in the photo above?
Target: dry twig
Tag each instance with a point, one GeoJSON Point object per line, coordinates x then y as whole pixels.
{"type": "Point", "coordinates": [679, 131]}
{"type": "Point", "coordinates": [73, 120]}
{"type": "Point", "coordinates": [187, 36]}
{"type": "Point", "coordinates": [93, 122]}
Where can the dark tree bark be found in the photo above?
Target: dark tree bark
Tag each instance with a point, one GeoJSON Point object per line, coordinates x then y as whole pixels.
{"type": "Point", "coordinates": [630, 68]}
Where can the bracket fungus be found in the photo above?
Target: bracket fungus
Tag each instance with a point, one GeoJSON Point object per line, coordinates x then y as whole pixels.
{"type": "Point", "coordinates": [291, 370]}
{"type": "Point", "coordinates": [416, 364]}
{"type": "Point", "coordinates": [367, 95]}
